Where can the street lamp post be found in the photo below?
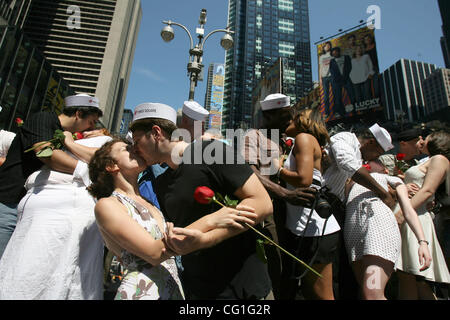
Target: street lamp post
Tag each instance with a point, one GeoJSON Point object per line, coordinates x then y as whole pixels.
{"type": "Point", "coordinates": [195, 65]}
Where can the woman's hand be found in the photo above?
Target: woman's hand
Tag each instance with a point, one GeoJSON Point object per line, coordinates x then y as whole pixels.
{"type": "Point", "coordinates": [68, 137]}
{"type": "Point", "coordinates": [233, 217]}
{"type": "Point", "coordinates": [412, 189]}
{"type": "Point", "coordinates": [424, 256]}
{"type": "Point", "coordinates": [93, 133]}
{"type": "Point", "coordinates": [182, 241]}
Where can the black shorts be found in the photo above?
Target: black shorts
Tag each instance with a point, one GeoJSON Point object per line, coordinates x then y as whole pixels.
{"type": "Point", "coordinates": [323, 248]}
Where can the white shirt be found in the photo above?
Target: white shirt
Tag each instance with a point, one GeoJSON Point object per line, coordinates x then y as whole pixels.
{"type": "Point", "coordinates": [362, 67]}
{"type": "Point", "coordinates": [6, 139]}
{"type": "Point", "coordinates": [324, 62]}
{"type": "Point", "coordinates": [346, 159]}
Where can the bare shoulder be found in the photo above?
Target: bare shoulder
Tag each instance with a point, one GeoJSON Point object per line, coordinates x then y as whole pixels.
{"type": "Point", "coordinates": [439, 159]}
{"type": "Point", "coordinates": [104, 205]}
{"type": "Point", "coordinates": [305, 139]}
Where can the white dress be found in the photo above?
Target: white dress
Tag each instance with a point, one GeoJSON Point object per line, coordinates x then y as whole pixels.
{"type": "Point", "coordinates": [408, 260]}
{"type": "Point", "coordinates": [56, 250]}
{"type": "Point", "coordinates": [370, 226]}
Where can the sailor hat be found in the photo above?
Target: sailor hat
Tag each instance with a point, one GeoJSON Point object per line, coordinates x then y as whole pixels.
{"type": "Point", "coordinates": [382, 136]}
{"type": "Point", "coordinates": [195, 111]}
{"type": "Point", "coordinates": [81, 100]}
{"type": "Point", "coordinates": [155, 110]}
{"type": "Point", "coordinates": [275, 101]}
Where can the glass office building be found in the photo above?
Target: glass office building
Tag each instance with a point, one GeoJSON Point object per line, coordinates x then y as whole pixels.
{"type": "Point", "coordinates": [28, 82]}
{"type": "Point", "coordinates": [264, 31]}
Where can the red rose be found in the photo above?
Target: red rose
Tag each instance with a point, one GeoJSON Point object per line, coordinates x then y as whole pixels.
{"type": "Point", "coordinates": [19, 122]}
{"type": "Point", "coordinates": [203, 195]}
{"type": "Point", "coordinates": [400, 156]}
{"type": "Point", "coordinates": [367, 166]}
{"type": "Point", "coordinates": [77, 136]}
{"type": "Point", "coordinates": [289, 142]}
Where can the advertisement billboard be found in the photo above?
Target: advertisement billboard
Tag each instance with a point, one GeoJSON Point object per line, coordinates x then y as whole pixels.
{"type": "Point", "coordinates": [270, 83]}
{"type": "Point", "coordinates": [349, 75]}
{"type": "Point", "coordinates": [215, 111]}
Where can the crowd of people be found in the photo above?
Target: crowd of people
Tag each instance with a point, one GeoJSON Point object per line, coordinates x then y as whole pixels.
{"type": "Point", "coordinates": [344, 204]}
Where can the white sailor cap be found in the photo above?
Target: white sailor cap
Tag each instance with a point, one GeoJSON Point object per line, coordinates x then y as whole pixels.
{"type": "Point", "coordinates": [275, 101]}
{"type": "Point", "coordinates": [81, 100]}
{"type": "Point", "coordinates": [195, 111]}
{"type": "Point", "coordinates": [382, 136]}
{"type": "Point", "coordinates": [155, 110]}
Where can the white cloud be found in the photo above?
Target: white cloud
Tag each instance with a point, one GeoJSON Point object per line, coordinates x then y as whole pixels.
{"type": "Point", "coordinates": [150, 74]}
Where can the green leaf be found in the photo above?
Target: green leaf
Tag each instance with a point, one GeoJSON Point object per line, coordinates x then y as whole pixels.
{"type": "Point", "coordinates": [260, 252]}
{"type": "Point", "coordinates": [44, 153]}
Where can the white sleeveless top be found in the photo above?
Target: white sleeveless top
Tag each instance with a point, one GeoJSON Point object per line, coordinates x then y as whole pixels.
{"type": "Point", "coordinates": [297, 216]}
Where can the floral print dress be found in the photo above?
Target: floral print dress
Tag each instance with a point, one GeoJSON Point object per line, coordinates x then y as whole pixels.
{"type": "Point", "coordinates": [142, 281]}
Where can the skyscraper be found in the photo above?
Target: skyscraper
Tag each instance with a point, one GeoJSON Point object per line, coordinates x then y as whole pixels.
{"type": "Point", "coordinates": [444, 8]}
{"type": "Point", "coordinates": [402, 84]}
{"type": "Point", "coordinates": [214, 96]}
{"type": "Point", "coordinates": [436, 90]}
{"type": "Point", "coordinates": [91, 44]}
{"type": "Point", "coordinates": [264, 31]}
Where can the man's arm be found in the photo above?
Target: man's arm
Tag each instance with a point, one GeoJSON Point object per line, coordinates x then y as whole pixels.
{"type": "Point", "coordinates": [186, 240]}
{"type": "Point", "coordinates": [362, 177]}
{"type": "Point", "coordinates": [297, 197]}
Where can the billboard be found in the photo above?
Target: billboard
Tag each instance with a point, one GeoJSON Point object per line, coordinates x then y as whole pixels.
{"type": "Point", "coordinates": [349, 75]}
{"type": "Point", "coordinates": [217, 88]}
{"type": "Point", "coordinates": [270, 83]}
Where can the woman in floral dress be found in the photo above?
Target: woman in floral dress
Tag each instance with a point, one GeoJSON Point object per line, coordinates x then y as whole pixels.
{"type": "Point", "coordinates": [134, 229]}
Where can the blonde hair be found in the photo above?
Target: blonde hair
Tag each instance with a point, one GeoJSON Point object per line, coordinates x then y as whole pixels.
{"type": "Point", "coordinates": [311, 121]}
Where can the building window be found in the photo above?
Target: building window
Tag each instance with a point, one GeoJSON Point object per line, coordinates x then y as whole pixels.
{"type": "Point", "coordinates": [286, 26]}
{"type": "Point", "coordinates": [259, 21]}
{"type": "Point", "coordinates": [286, 49]}
{"type": "Point", "coordinates": [286, 5]}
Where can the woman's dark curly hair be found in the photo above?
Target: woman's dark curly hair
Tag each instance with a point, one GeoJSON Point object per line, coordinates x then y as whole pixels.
{"type": "Point", "coordinates": [439, 143]}
{"type": "Point", "coordinates": [102, 184]}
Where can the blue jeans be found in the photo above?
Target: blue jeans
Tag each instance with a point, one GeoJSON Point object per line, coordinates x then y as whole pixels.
{"type": "Point", "coordinates": [8, 221]}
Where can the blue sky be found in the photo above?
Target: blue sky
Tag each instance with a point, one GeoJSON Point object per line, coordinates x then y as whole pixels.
{"type": "Point", "coordinates": [409, 29]}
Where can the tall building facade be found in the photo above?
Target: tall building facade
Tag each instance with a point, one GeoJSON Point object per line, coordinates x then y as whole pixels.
{"type": "Point", "coordinates": [444, 8]}
{"type": "Point", "coordinates": [402, 84]}
{"type": "Point", "coordinates": [91, 44]}
{"type": "Point", "coordinates": [436, 90]}
{"type": "Point", "coordinates": [28, 81]}
{"type": "Point", "coordinates": [14, 12]}
{"type": "Point", "coordinates": [264, 31]}
{"type": "Point", "coordinates": [214, 95]}
{"type": "Point", "coordinates": [127, 118]}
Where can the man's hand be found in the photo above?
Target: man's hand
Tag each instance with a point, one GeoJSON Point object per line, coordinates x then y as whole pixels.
{"type": "Point", "coordinates": [399, 217]}
{"type": "Point", "coordinates": [301, 197]}
{"type": "Point", "coordinates": [388, 200]}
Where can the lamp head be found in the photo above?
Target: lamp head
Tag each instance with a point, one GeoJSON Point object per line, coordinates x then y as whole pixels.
{"type": "Point", "coordinates": [167, 33]}
{"type": "Point", "coordinates": [227, 41]}
{"type": "Point", "coordinates": [202, 19]}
